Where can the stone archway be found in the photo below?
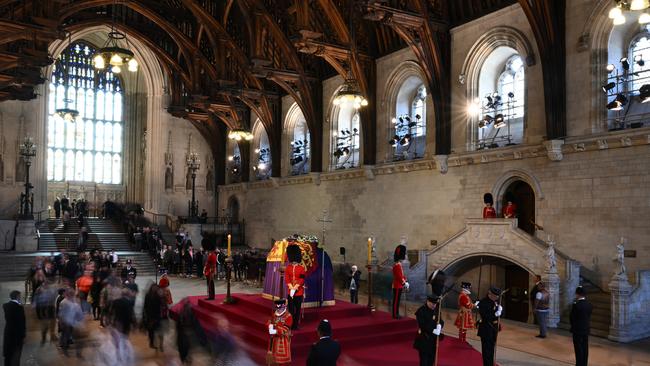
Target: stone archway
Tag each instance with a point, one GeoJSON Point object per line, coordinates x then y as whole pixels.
{"type": "Point", "coordinates": [233, 209]}
{"type": "Point", "coordinates": [523, 197]}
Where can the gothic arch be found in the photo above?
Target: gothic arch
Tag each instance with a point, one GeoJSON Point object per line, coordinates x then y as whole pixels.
{"type": "Point", "coordinates": [528, 266]}
{"type": "Point", "coordinates": [506, 179]}
{"type": "Point", "coordinates": [293, 117]}
{"type": "Point", "coordinates": [333, 115]}
{"type": "Point", "coordinates": [258, 130]}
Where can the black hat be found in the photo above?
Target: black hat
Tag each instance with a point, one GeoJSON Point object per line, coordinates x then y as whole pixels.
{"type": "Point", "coordinates": [580, 291]}
{"type": "Point", "coordinates": [487, 198]}
{"type": "Point", "coordinates": [294, 253]}
{"type": "Point", "coordinates": [280, 302]}
{"type": "Point", "coordinates": [465, 285]}
{"type": "Point", "coordinates": [433, 298]}
{"type": "Point", "coordinates": [438, 280]}
{"type": "Point", "coordinates": [496, 291]}
{"type": "Point", "coordinates": [400, 253]}
{"type": "Point", "coordinates": [324, 327]}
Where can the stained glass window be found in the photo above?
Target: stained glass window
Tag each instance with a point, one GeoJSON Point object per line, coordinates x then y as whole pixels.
{"type": "Point", "coordinates": [88, 150]}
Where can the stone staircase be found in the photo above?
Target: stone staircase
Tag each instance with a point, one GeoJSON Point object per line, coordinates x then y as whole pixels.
{"type": "Point", "coordinates": [103, 234]}
{"type": "Point", "coordinates": [602, 310]}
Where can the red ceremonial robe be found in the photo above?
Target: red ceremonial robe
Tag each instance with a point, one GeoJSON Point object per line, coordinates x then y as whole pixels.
{"type": "Point", "coordinates": [280, 343]}
{"type": "Point", "coordinates": [398, 276]}
{"type": "Point", "coordinates": [464, 319]}
{"type": "Point", "coordinates": [489, 212]}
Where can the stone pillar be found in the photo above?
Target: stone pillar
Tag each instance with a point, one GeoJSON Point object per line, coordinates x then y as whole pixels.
{"type": "Point", "coordinates": [195, 234]}
{"type": "Point", "coordinates": [26, 240]}
{"type": "Point", "coordinates": [620, 324]}
{"type": "Point", "coordinates": [552, 281]}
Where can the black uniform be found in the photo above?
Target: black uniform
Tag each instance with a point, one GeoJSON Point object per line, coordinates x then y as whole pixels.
{"type": "Point", "coordinates": [325, 352]}
{"type": "Point", "coordinates": [129, 272]}
{"type": "Point", "coordinates": [15, 329]}
{"type": "Point", "coordinates": [425, 341]}
{"type": "Point", "coordinates": [580, 318]}
{"type": "Point", "coordinates": [488, 329]}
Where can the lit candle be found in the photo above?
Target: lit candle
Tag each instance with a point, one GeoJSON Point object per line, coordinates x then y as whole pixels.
{"type": "Point", "coordinates": [229, 237]}
{"type": "Point", "coordinates": [369, 251]}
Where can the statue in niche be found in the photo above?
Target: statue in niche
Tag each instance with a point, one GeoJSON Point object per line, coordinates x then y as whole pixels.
{"type": "Point", "coordinates": [209, 181]}
{"type": "Point", "coordinates": [619, 259]}
{"type": "Point", "coordinates": [551, 260]}
{"type": "Point", "coordinates": [188, 180]}
{"type": "Point", "coordinates": [20, 169]}
{"type": "Point", "coordinates": [169, 178]}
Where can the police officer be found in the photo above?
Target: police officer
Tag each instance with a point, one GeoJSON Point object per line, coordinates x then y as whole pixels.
{"type": "Point", "coordinates": [490, 310]}
{"type": "Point", "coordinates": [129, 271]}
{"type": "Point", "coordinates": [429, 329]}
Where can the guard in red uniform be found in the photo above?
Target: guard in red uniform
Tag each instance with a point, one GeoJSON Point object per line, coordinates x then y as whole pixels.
{"type": "Point", "coordinates": [294, 277]}
{"type": "Point", "coordinates": [464, 320]}
{"type": "Point", "coordinates": [399, 279]}
{"type": "Point", "coordinates": [510, 210]}
{"type": "Point", "coordinates": [279, 352]}
{"type": "Point", "coordinates": [209, 271]}
{"type": "Point", "coordinates": [488, 211]}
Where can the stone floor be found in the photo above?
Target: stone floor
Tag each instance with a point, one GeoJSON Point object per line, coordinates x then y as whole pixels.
{"type": "Point", "coordinates": [517, 344]}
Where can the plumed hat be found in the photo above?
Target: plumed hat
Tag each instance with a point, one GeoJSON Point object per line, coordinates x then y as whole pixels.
{"type": "Point", "coordinates": [466, 285]}
{"type": "Point", "coordinates": [437, 280]}
{"type": "Point", "coordinates": [294, 253]}
{"type": "Point", "coordinates": [400, 253]}
{"type": "Point", "coordinates": [487, 198]}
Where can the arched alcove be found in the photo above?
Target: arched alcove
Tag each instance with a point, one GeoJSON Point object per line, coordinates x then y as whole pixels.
{"type": "Point", "coordinates": [261, 155]}
{"type": "Point", "coordinates": [233, 209]}
{"type": "Point", "coordinates": [528, 191]}
{"type": "Point", "coordinates": [297, 143]}
{"type": "Point", "coordinates": [345, 136]}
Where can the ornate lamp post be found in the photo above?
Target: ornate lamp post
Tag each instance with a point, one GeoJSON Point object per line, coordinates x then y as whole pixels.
{"type": "Point", "coordinates": [27, 151]}
{"type": "Point", "coordinates": [193, 164]}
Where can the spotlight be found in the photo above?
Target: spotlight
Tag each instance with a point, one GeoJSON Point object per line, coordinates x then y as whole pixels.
{"type": "Point", "coordinates": [625, 64]}
{"type": "Point", "coordinates": [257, 151]}
{"type": "Point", "coordinates": [644, 18]}
{"type": "Point", "coordinates": [394, 120]}
{"type": "Point", "coordinates": [482, 124]}
{"type": "Point", "coordinates": [621, 99]}
{"type": "Point", "coordinates": [639, 5]}
{"type": "Point", "coordinates": [499, 121]}
{"type": "Point", "coordinates": [417, 116]}
{"type": "Point", "coordinates": [231, 158]}
{"type": "Point", "coordinates": [511, 95]}
{"type": "Point", "coordinates": [615, 12]}
{"type": "Point", "coordinates": [346, 151]}
{"type": "Point", "coordinates": [644, 93]}
{"type": "Point", "coordinates": [619, 20]}
{"type": "Point", "coordinates": [611, 67]}
{"type": "Point", "coordinates": [473, 109]}
{"type": "Point", "coordinates": [609, 86]}
{"type": "Point", "coordinates": [638, 59]}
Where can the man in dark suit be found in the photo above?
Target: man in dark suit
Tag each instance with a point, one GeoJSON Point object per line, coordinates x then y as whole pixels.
{"type": "Point", "coordinates": [326, 351]}
{"type": "Point", "coordinates": [14, 330]}
{"type": "Point", "coordinates": [488, 327]}
{"type": "Point", "coordinates": [580, 318]}
{"type": "Point", "coordinates": [429, 329]}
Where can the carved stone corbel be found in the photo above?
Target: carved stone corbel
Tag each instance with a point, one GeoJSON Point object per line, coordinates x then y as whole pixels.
{"type": "Point", "coordinates": [554, 149]}
{"type": "Point", "coordinates": [367, 170]}
{"type": "Point", "coordinates": [315, 178]}
{"type": "Point", "coordinates": [441, 162]}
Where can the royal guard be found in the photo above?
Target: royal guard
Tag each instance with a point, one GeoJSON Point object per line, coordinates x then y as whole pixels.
{"type": "Point", "coordinates": [399, 279]}
{"type": "Point", "coordinates": [209, 271]}
{"type": "Point", "coordinates": [464, 319]}
{"type": "Point", "coordinates": [510, 210]}
{"type": "Point", "coordinates": [294, 277]}
{"type": "Point", "coordinates": [489, 310]}
{"type": "Point", "coordinates": [488, 211]}
{"type": "Point", "coordinates": [280, 331]}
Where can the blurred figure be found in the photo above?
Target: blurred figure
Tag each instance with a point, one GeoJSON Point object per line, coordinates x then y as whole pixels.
{"type": "Point", "coordinates": [57, 208]}
{"type": "Point", "coordinates": [185, 332]}
{"type": "Point", "coordinates": [151, 312]}
{"type": "Point", "coordinates": [15, 329]}
{"type": "Point", "coordinates": [70, 319]}
{"type": "Point", "coordinates": [44, 302]}
{"type": "Point", "coordinates": [326, 351]}
{"type": "Point", "coordinates": [122, 312]}
{"type": "Point", "coordinates": [95, 296]}
{"type": "Point", "coordinates": [115, 349]}
{"type": "Point", "coordinates": [166, 302]}
{"type": "Point", "coordinates": [355, 278]}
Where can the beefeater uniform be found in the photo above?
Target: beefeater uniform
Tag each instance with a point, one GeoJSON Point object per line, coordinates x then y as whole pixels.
{"type": "Point", "coordinates": [280, 342]}
{"type": "Point", "coordinates": [464, 319]}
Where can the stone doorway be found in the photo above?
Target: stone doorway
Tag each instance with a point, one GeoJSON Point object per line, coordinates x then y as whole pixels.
{"type": "Point", "coordinates": [524, 197]}
{"type": "Point", "coordinates": [233, 209]}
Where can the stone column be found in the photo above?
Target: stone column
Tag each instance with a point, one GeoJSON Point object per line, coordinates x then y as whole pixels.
{"type": "Point", "coordinates": [552, 281]}
{"type": "Point", "coordinates": [26, 240]}
{"type": "Point", "coordinates": [620, 324]}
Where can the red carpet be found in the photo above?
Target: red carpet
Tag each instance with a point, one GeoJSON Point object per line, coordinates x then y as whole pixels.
{"type": "Point", "coordinates": [366, 338]}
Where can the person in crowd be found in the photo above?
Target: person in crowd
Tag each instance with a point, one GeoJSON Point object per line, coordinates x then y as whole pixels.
{"type": "Point", "coordinates": [326, 351]}
{"type": "Point", "coordinates": [151, 313]}
{"type": "Point", "coordinates": [44, 301]}
{"type": "Point", "coordinates": [209, 271]}
{"type": "Point", "coordinates": [168, 260]}
{"type": "Point", "coordinates": [429, 329]}
{"type": "Point", "coordinates": [114, 349]}
{"type": "Point", "coordinates": [66, 219]}
{"type": "Point", "coordinates": [83, 284]}
{"type": "Point", "coordinates": [294, 276]}
{"type": "Point", "coordinates": [57, 208]}
{"type": "Point", "coordinates": [236, 263]}
{"type": "Point", "coordinates": [399, 279]}
{"type": "Point", "coordinates": [73, 207]}
{"type": "Point", "coordinates": [95, 296]}
{"type": "Point", "coordinates": [82, 240]}
{"type": "Point", "coordinates": [70, 319]}
{"type": "Point", "coordinates": [199, 262]}
{"type": "Point", "coordinates": [488, 328]}
{"type": "Point", "coordinates": [15, 329]}
{"type": "Point", "coordinates": [189, 262]}
{"type": "Point", "coordinates": [65, 203]}
{"type": "Point", "coordinates": [128, 271]}
{"type": "Point", "coordinates": [185, 332]}
{"type": "Point", "coordinates": [354, 281]}
{"type": "Point", "coordinates": [204, 216]}
{"type": "Point", "coordinates": [176, 259]}
{"type": "Point", "coordinates": [510, 209]}
{"type": "Point", "coordinates": [541, 304]}
{"type": "Point", "coordinates": [166, 302]}
{"type": "Point", "coordinates": [279, 327]}
{"type": "Point", "coordinates": [464, 319]}
{"type": "Point", "coordinates": [221, 264]}
{"type": "Point", "coordinates": [580, 319]}
{"type": "Point", "coordinates": [488, 211]}
{"type": "Point", "coordinates": [533, 295]}
{"type": "Point", "coordinates": [122, 311]}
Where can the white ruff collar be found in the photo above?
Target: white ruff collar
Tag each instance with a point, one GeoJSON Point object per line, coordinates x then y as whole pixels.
{"type": "Point", "coordinates": [281, 313]}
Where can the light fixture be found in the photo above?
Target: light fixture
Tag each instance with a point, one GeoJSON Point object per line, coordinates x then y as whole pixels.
{"type": "Point", "coordinates": [610, 67]}
{"type": "Point", "coordinates": [499, 121]}
{"type": "Point", "coordinates": [619, 20]}
{"type": "Point", "coordinates": [349, 95]}
{"type": "Point", "coordinates": [639, 5]}
{"type": "Point", "coordinates": [644, 93]}
{"type": "Point", "coordinates": [116, 55]}
{"type": "Point", "coordinates": [609, 86]}
{"type": "Point", "coordinates": [644, 18]}
{"type": "Point", "coordinates": [625, 63]}
{"type": "Point", "coordinates": [67, 114]}
{"type": "Point", "coordinates": [474, 108]}
{"type": "Point", "coordinates": [615, 12]}
{"type": "Point", "coordinates": [239, 134]}
{"type": "Point", "coordinates": [638, 59]}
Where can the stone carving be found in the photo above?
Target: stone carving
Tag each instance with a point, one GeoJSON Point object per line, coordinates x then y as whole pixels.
{"type": "Point", "coordinates": [580, 147]}
{"type": "Point", "coordinates": [462, 79]}
{"type": "Point", "coordinates": [602, 144]}
{"type": "Point", "coordinates": [619, 260]}
{"type": "Point", "coordinates": [441, 161]}
{"type": "Point", "coordinates": [626, 141]}
{"type": "Point", "coordinates": [551, 260]}
{"type": "Point", "coordinates": [554, 149]}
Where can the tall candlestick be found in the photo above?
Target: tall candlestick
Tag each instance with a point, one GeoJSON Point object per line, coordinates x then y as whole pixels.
{"type": "Point", "coordinates": [229, 237]}
{"type": "Point", "coordinates": [369, 250]}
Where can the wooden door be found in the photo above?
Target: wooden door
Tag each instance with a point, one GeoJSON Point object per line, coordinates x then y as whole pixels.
{"type": "Point", "coordinates": [515, 301]}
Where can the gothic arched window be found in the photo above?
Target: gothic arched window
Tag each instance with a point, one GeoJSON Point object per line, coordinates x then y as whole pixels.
{"type": "Point", "coordinates": [408, 127]}
{"type": "Point", "coordinates": [89, 149]}
{"type": "Point", "coordinates": [298, 140]}
{"type": "Point", "coordinates": [261, 159]}
{"type": "Point", "coordinates": [346, 145]}
{"type": "Point", "coordinates": [639, 55]}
